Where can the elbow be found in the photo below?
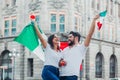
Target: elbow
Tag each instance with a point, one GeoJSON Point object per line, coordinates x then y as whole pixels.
{"type": "Point", "coordinates": [86, 44]}
{"type": "Point", "coordinates": [90, 35]}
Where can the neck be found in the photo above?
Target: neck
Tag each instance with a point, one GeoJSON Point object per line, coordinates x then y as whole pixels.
{"type": "Point", "coordinates": [71, 46]}
{"type": "Point", "coordinates": [55, 48]}
{"type": "Point", "coordinates": [76, 41]}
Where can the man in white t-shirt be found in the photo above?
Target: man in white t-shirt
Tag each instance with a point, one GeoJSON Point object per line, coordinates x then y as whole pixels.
{"type": "Point", "coordinates": [74, 53]}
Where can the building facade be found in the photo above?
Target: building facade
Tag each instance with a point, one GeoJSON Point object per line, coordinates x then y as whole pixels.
{"type": "Point", "coordinates": [60, 16]}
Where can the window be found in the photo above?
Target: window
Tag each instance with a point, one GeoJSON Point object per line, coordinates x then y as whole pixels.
{"type": "Point", "coordinates": [10, 27]}
{"type": "Point", "coordinates": [62, 28]}
{"type": "Point", "coordinates": [30, 67]}
{"type": "Point", "coordinates": [57, 22]}
{"type": "Point", "coordinates": [6, 30]}
{"type": "Point", "coordinates": [14, 23]}
{"type": "Point", "coordinates": [13, 30]}
{"type": "Point", "coordinates": [62, 23]}
{"type": "Point", "coordinates": [113, 62]}
{"type": "Point", "coordinates": [53, 22]}
{"type": "Point", "coordinates": [99, 66]}
{"type": "Point", "coordinates": [53, 27]}
{"type": "Point", "coordinates": [7, 24]}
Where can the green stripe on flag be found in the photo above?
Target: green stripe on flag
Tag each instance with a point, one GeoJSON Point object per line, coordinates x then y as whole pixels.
{"type": "Point", "coordinates": [103, 14]}
{"type": "Point", "coordinates": [28, 37]}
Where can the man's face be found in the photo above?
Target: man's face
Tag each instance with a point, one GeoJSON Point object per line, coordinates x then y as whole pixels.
{"type": "Point", "coordinates": [71, 40]}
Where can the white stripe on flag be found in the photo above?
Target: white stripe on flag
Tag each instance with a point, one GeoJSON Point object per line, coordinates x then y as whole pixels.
{"type": "Point", "coordinates": [39, 53]}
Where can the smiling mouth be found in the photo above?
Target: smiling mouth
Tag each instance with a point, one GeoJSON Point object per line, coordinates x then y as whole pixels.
{"type": "Point", "coordinates": [69, 40]}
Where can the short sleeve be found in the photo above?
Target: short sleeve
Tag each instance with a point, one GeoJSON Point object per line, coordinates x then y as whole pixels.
{"type": "Point", "coordinates": [47, 47]}
{"type": "Point", "coordinates": [83, 49]}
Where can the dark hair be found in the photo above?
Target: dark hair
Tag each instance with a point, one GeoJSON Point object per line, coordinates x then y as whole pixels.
{"type": "Point", "coordinates": [50, 40]}
{"type": "Point", "coordinates": [75, 34]}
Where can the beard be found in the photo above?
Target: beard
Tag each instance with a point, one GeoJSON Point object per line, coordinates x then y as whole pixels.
{"type": "Point", "coordinates": [71, 43]}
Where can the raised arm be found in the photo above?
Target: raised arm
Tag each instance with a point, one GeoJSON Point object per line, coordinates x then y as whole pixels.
{"type": "Point", "coordinates": [91, 31]}
{"type": "Point", "coordinates": [43, 41]}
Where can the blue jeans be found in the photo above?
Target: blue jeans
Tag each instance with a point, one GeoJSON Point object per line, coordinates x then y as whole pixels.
{"type": "Point", "coordinates": [69, 77]}
{"type": "Point", "coordinates": [50, 73]}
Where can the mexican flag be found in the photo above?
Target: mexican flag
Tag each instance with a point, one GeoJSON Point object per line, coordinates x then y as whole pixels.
{"type": "Point", "coordinates": [102, 16]}
{"type": "Point", "coordinates": [29, 39]}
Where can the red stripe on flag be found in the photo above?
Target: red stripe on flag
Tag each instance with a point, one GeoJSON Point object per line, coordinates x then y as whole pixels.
{"type": "Point", "coordinates": [63, 45]}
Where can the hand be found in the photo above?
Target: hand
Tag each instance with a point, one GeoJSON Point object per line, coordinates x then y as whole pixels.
{"type": "Point", "coordinates": [96, 17]}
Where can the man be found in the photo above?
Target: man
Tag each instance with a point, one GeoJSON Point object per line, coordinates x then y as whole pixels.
{"type": "Point", "coordinates": [74, 53]}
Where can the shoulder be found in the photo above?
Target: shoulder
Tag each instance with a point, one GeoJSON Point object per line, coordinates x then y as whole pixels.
{"type": "Point", "coordinates": [65, 49]}
{"type": "Point", "coordinates": [47, 47]}
{"type": "Point", "coordinates": [82, 46]}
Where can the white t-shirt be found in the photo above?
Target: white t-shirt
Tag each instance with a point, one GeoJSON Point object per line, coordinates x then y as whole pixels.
{"type": "Point", "coordinates": [52, 57]}
{"type": "Point", "coordinates": [73, 56]}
